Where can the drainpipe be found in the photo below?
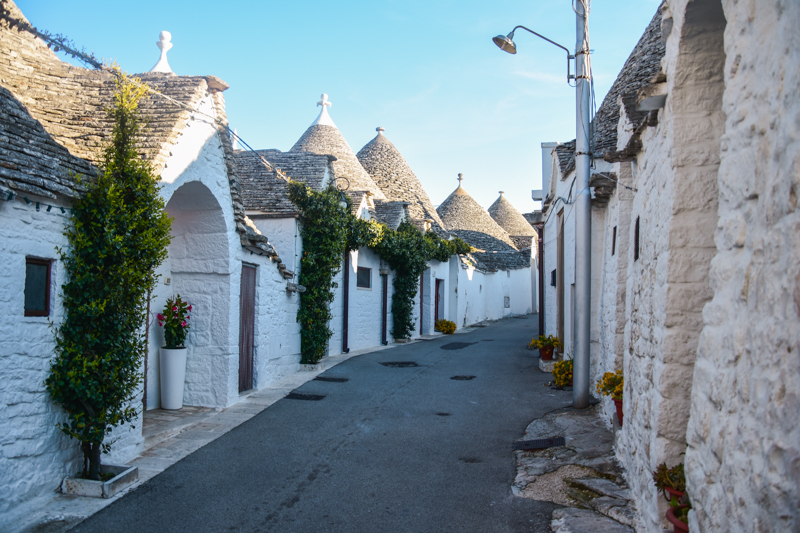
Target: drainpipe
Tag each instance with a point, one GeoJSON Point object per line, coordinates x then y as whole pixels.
{"type": "Point", "coordinates": [583, 221]}
{"type": "Point", "coordinates": [384, 311]}
{"type": "Point", "coordinates": [345, 318]}
{"type": "Point", "coordinates": [421, 300]}
{"type": "Point", "coordinates": [540, 239]}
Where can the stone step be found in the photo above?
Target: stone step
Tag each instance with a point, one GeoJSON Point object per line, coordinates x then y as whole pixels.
{"type": "Point", "coordinates": [569, 520]}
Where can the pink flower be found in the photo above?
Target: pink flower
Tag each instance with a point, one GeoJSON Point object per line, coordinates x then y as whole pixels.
{"type": "Point", "coordinates": [175, 308]}
{"type": "Point", "coordinates": [160, 323]}
{"type": "Point", "coordinates": [183, 324]}
{"type": "Point", "coordinates": [189, 308]}
{"type": "Point", "coordinates": [160, 316]}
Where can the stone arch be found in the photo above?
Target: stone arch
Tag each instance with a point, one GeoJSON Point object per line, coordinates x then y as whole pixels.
{"type": "Point", "coordinates": [200, 269]}
{"type": "Point", "coordinates": [698, 123]}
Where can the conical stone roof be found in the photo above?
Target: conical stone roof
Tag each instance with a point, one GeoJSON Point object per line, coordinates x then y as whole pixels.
{"type": "Point", "coordinates": [390, 171]}
{"type": "Point", "coordinates": [510, 219]}
{"type": "Point", "coordinates": [463, 216]}
{"type": "Point", "coordinates": [324, 138]}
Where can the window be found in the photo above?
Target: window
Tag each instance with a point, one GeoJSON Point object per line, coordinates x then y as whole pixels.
{"type": "Point", "coordinates": [37, 287]}
{"type": "Point", "coordinates": [614, 241]}
{"type": "Point", "coordinates": [364, 278]}
{"type": "Point", "coordinates": [636, 240]}
{"type": "Point", "coordinates": [553, 278]}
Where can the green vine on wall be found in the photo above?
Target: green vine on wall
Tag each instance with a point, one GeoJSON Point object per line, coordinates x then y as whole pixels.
{"type": "Point", "coordinates": [329, 229]}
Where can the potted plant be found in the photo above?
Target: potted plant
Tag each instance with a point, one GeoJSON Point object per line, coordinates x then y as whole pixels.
{"type": "Point", "coordinates": [445, 326]}
{"type": "Point", "coordinates": [172, 360]}
{"type": "Point", "coordinates": [546, 345]}
{"type": "Point", "coordinates": [671, 482]}
{"type": "Point", "coordinates": [562, 373]}
{"type": "Point", "coordinates": [611, 385]}
{"type": "Point", "coordinates": [678, 514]}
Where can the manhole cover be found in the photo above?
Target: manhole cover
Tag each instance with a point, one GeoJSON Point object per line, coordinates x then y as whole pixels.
{"type": "Point", "coordinates": [304, 396]}
{"type": "Point", "coordinates": [470, 460]}
{"type": "Point", "coordinates": [400, 364]}
{"type": "Point", "coordinates": [442, 414]}
{"type": "Point", "coordinates": [456, 345]}
{"type": "Point", "coordinates": [463, 378]}
{"type": "Point", "coordinates": [538, 444]}
{"type": "Point", "coordinates": [487, 340]}
{"type": "Point", "coordinates": [331, 380]}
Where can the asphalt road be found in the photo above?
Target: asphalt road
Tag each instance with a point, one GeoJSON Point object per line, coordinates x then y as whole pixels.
{"type": "Point", "coordinates": [391, 449]}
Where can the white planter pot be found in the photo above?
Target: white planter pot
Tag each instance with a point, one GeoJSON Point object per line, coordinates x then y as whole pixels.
{"type": "Point", "coordinates": [172, 364]}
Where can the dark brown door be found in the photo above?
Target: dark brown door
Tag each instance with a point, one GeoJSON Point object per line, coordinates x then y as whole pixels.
{"type": "Point", "coordinates": [438, 294]}
{"type": "Point", "coordinates": [247, 322]}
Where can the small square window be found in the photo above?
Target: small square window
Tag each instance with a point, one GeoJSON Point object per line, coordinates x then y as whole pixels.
{"type": "Point", "coordinates": [553, 278]}
{"type": "Point", "coordinates": [614, 241]}
{"type": "Point", "coordinates": [37, 287]}
{"type": "Point", "coordinates": [364, 278]}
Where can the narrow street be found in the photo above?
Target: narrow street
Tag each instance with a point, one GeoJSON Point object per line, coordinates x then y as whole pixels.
{"type": "Point", "coordinates": [392, 448]}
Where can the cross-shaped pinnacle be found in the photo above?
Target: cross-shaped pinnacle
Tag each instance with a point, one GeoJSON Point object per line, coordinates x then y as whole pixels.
{"type": "Point", "coordinates": [380, 129]}
{"type": "Point", "coordinates": [460, 178]}
{"type": "Point", "coordinates": [324, 102]}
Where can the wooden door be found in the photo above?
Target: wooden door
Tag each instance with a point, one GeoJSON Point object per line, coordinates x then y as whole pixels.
{"type": "Point", "coordinates": [247, 323]}
{"type": "Point", "coordinates": [438, 296]}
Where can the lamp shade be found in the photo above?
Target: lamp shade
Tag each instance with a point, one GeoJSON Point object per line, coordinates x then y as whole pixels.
{"type": "Point", "coordinates": [505, 43]}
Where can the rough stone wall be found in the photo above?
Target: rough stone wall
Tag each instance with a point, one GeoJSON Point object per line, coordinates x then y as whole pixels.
{"type": "Point", "coordinates": [676, 205]}
{"type": "Point", "coordinates": [613, 281]}
{"type": "Point", "coordinates": [35, 455]}
{"type": "Point", "coordinates": [743, 461]}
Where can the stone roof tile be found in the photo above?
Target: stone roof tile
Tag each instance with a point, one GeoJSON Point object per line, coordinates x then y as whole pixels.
{"type": "Point", "coordinates": [643, 64]}
{"type": "Point", "coordinates": [328, 140]}
{"type": "Point", "coordinates": [465, 218]}
{"type": "Point", "coordinates": [506, 215]}
{"type": "Point", "coordinates": [390, 171]}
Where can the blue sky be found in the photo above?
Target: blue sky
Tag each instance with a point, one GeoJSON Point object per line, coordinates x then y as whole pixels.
{"type": "Point", "coordinates": [427, 71]}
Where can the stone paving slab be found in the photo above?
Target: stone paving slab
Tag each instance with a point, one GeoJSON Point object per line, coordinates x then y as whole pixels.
{"type": "Point", "coordinates": [585, 521]}
{"type": "Point", "coordinates": [582, 474]}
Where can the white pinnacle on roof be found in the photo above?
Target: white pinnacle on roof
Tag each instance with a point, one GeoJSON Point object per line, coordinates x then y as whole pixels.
{"type": "Point", "coordinates": [164, 45]}
{"type": "Point", "coordinates": [324, 119]}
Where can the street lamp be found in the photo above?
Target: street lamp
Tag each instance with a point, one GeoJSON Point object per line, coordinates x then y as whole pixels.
{"type": "Point", "coordinates": [582, 203]}
{"type": "Point", "coordinates": [506, 44]}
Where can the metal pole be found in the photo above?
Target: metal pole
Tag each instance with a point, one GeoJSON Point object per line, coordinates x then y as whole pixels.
{"type": "Point", "coordinates": [583, 229]}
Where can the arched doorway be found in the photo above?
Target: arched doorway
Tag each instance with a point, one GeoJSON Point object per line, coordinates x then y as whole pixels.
{"type": "Point", "coordinates": [199, 263]}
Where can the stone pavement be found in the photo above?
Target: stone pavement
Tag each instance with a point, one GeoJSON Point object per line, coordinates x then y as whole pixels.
{"type": "Point", "coordinates": [582, 475]}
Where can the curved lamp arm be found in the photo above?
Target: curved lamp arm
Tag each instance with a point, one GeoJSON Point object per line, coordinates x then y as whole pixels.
{"type": "Point", "coordinates": [506, 43]}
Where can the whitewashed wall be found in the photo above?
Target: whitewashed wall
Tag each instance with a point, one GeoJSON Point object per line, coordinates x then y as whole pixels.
{"type": "Point", "coordinates": [743, 460]}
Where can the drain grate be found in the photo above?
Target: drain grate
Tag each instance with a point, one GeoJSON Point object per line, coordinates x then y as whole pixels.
{"type": "Point", "coordinates": [463, 378]}
{"type": "Point", "coordinates": [470, 460]}
{"type": "Point", "coordinates": [331, 380]}
{"type": "Point", "coordinates": [304, 396]}
{"type": "Point", "coordinates": [487, 340]}
{"type": "Point", "coordinates": [456, 345]}
{"type": "Point", "coordinates": [442, 414]}
{"type": "Point", "coordinates": [400, 364]}
{"type": "Point", "coordinates": [539, 444]}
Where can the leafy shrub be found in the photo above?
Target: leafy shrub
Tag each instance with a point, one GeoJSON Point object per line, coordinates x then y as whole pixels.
{"type": "Point", "coordinates": [118, 235]}
{"type": "Point", "coordinates": [562, 373]}
{"type": "Point", "coordinates": [611, 384]}
{"type": "Point", "coordinates": [445, 326]}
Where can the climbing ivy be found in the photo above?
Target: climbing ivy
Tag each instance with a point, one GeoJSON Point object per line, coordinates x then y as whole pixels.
{"type": "Point", "coordinates": [118, 236]}
{"type": "Point", "coordinates": [329, 230]}
{"type": "Point", "coordinates": [326, 233]}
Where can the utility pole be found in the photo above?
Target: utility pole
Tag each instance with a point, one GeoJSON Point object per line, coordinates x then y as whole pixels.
{"type": "Point", "coordinates": [583, 221]}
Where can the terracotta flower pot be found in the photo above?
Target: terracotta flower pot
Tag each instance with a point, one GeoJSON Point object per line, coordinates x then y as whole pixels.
{"type": "Point", "coordinates": [546, 353]}
{"type": "Point", "coordinates": [618, 405]}
{"type": "Point", "coordinates": [672, 492]}
{"type": "Point", "coordinates": [678, 526]}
